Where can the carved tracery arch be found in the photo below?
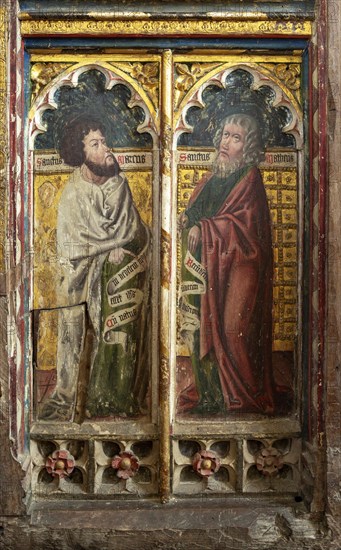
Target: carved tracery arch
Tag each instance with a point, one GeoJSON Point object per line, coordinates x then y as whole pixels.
{"type": "Point", "coordinates": [46, 99]}
{"type": "Point", "coordinates": [261, 77]}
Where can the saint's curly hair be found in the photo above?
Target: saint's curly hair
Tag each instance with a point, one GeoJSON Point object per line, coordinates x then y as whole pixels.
{"type": "Point", "coordinates": [253, 148]}
{"type": "Point", "coordinates": [71, 146]}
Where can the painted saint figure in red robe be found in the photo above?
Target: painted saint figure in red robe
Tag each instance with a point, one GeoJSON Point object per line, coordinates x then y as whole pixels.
{"type": "Point", "coordinates": [227, 270]}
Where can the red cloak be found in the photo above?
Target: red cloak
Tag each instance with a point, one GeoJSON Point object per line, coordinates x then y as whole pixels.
{"type": "Point", "coordinates": [236, 310]}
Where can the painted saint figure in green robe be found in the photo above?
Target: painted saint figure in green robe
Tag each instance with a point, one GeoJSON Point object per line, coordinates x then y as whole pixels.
{"type": "Point", "coordinates": [103, 250]}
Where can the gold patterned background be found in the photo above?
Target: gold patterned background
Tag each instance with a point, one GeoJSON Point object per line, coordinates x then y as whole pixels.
{"type": "Point", "coordinates": [281, 189]}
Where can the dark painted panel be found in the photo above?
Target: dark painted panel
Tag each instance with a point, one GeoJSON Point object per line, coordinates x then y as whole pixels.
{"type": "Point", "coordinates": [83, 8]}
{"type": "Point", "coordinates": [161, 43]}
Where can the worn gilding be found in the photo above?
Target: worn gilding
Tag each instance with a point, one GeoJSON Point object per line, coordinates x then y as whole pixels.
{"type": "Point", "coordinates": [147, 27]}
{"type": "Point", "coordinates": [167, 106]}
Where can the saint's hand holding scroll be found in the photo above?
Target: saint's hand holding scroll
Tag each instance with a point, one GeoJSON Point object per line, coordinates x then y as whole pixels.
{"type": "Point", "coordinates": [103, 249]}
{"type": "Point", "coordinates": [227, 270]}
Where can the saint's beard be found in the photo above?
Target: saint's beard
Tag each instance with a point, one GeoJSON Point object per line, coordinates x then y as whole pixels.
{"type": "Point", "coordinates": [106, 170]}
{"type": "Point", "coordinates": [224, 168]}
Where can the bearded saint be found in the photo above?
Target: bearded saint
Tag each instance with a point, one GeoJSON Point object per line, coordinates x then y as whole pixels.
{"type": "Point", "coordinates": [103, 251]}
{"type": "Point", "coordinates": [227, 270]}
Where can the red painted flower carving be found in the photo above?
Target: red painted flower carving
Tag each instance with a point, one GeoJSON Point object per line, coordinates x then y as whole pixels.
{"type": "Point", "coordinates": [206, 463]}
{"type": "Point", "coordinates": [60, 464]}
{"type": "Point", "coordinates": [126, 464]}
{"type": "Point", "coordinates": [269, 461]}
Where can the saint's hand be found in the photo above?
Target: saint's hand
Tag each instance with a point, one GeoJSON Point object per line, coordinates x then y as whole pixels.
{"type": "Point", "coordinates": [117, 254]}
{"type": "Point", "coordinates": [194, 238]}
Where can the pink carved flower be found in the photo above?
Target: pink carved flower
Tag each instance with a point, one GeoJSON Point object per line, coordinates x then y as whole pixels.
{"type": "Point", "coordinates": [206, 463]}
{"type": "Point", "coordinates": [269, 461]}
{"type": "Point", "coordinates": [60, 464]}
{"type": "Point", "coordinates": [126, 464]}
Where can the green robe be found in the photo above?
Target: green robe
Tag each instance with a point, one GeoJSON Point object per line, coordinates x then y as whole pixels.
{"type": "Point", "coordinates": [120, 374]}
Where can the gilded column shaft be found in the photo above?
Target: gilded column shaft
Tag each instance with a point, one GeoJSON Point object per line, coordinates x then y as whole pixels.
{"type": "Point", "coordinates": [166, 164]}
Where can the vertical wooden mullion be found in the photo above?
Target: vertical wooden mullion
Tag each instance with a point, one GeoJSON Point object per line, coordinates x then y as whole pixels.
{"type": "Point", "coordinates": [166, 212]}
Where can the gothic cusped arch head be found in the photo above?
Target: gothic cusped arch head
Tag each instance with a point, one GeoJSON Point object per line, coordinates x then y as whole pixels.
{"type": "Point", "coordinates": [97, 90]}
{"type": "Point", "coordinates": [240, 89]}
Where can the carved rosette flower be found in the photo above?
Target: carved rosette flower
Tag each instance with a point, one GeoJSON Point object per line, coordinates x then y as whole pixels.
{"type": "Point", "coordinates": [289, 74]}
{"type": "Point", "coordinates": [206, 463]}
{"type": "Point", "coordinates": [269, 461]}
{"type": "Point", "coordinates": [60, 464]}
{"type": "Point", "coordinates": [146, 74]}
{"type": "Point", "coordinates": [187, 75]}
{"type": "Point", "coordinates": [126, 464]}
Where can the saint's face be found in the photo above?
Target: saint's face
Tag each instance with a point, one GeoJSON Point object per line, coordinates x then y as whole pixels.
{"type": "Point", "coordinates": [232, 143]}
{"type": "Point", "coordinates": [96, 150]}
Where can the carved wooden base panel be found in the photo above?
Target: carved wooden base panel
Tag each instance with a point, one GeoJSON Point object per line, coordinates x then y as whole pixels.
{"type": "Point", "coordinates": [272, 465]}
{"type": "Point", "coordinates": [237, 466]}
{"type": "Point", "coordinates": [204, 466]}
{"type": "Point", "coordinates": [110, 467]}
